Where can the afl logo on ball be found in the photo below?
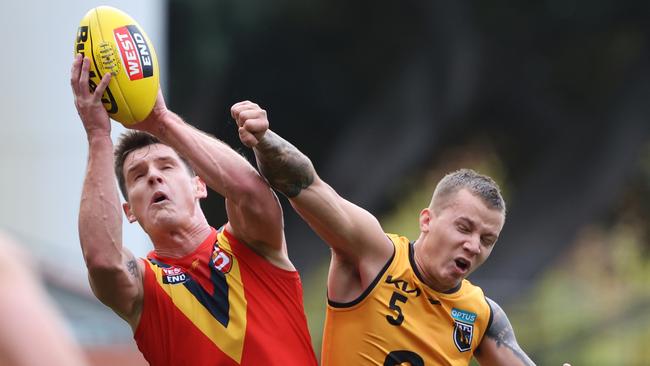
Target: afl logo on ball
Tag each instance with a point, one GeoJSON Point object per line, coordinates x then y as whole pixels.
{"type": "Point", "coordinates": [221, 260]}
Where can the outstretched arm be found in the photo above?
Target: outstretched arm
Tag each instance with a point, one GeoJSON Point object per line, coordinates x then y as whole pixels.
{"type": "Point", "coordinates": [115, 275]}
{"type": "Point", "coordinates": [353, 233]}
{"type": "Point", "coordinates": [248, 196]}
{"type": "Point", "coordinates": [499, 346]}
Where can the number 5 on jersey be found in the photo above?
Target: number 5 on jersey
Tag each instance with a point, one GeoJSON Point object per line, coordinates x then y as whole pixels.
{"type": "Point", "coordinates": [393, 304]}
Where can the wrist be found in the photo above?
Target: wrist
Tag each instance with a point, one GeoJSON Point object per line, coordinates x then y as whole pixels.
{"type": "Point", "coordinates": [266, 141]}
{"type": "Point", "coordinates": [94, 136]}
{"type": "Point", "coordinates": [160, 123]}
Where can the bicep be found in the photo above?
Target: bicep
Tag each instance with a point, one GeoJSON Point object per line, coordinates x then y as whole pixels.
{"type": "Point", "coordinates": [499, 345]}
{"type": "Point", "coordinates": [121, 287]}
{"type": "Point", "coordinates": [348, 229]}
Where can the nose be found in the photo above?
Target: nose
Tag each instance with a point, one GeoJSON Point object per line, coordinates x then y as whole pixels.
{"type": "Point", "coordinates": [473, 245]}
{"type": "Point", "coordinates": [155, 177]}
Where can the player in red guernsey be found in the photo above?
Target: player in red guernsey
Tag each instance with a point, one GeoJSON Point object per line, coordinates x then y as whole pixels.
{"type": "Point", "coordinates": [202, 296]}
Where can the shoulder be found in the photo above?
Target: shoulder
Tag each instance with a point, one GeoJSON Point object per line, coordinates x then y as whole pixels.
{"type": "Point", "coordinates": [396, 238]}
{"type": "Point", "coordinates": [399, 243]}
{"type": "Point", "coordinates": [499, 323]}
{"type": "Point", "coordinates": [499, 345]}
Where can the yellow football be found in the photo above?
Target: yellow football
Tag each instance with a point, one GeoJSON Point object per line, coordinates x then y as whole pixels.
{"type": "Point", "coordinates": [115, 43]}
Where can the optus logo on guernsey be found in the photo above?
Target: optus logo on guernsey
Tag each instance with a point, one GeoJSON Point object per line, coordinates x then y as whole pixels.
{"type": "Point", "coordinates": [463, 316]}
{"type": "Point", "coordinates": [135, 52]}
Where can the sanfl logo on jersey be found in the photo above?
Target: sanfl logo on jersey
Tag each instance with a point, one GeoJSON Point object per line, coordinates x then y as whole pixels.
{"type": "Point", "coordinates": [221, 260]}
{"type": "Point", "coordinates": [174, 275]}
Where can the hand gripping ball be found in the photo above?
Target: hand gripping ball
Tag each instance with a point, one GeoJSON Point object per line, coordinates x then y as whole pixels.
{"type": "Point", "coordinates": [116, 43]}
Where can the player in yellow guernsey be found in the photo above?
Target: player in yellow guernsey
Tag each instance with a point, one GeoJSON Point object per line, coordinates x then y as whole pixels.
{"type": "Point", "coordinates": [387, 322]}
{"type": "Point", "coordinates": [392, 302]}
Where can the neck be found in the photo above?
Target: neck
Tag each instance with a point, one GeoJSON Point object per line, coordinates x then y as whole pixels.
{"type": "Point", "coordinates": [179, 241]}
{"type": "Point", "coordinates": [428, 278]}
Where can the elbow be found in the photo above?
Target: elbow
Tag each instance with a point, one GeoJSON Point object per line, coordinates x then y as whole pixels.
{"type": "Point", "coordinates": [255, 202]}
{"type": "Point", "coordinates": [248, 189]}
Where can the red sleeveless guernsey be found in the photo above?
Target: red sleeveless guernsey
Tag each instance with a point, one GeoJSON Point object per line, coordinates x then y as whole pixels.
{"type": "Point", "coordinates": [223, 304]}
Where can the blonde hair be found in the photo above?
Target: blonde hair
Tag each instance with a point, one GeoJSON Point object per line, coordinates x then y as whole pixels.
{"type": "Point", "coordinates": [479, 185]}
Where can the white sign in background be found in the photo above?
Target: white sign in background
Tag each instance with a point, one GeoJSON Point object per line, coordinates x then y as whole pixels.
{"type": "Point", "coordinates": [43, 148]}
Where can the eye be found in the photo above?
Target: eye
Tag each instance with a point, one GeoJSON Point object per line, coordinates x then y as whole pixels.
{"type": "Point", "coordinates": [463, 229]}
{"type": "Point", "coordinates": [487, 241]}
{"type": "Point", "coordinates": [167, 167]}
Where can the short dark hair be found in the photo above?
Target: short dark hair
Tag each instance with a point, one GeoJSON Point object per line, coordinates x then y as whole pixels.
{"type": "Point", "coordinates": [479, 185]}
{"type": "Point", "coordinates": [128, 142]}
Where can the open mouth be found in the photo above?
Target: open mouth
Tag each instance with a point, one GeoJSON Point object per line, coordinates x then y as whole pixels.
{"type": "Point", "coordinates": [462, 264]}
{"type": "Point", "coordinates": [158, 197]}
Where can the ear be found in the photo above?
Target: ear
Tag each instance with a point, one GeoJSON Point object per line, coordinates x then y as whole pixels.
{"type": "Point", "coordinates": [129, 214]}
{"type": "Point", "coordinates": [425, 219]}
{"type": "Point", "coordinates": [200, 188]}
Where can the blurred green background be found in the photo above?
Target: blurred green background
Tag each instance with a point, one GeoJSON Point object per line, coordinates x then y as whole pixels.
{"type": "Point", "coordinates": [548, 97]}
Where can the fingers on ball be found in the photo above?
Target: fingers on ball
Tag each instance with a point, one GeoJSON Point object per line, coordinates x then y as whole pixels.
{"type": "Point", "coordinates": [103, 84]}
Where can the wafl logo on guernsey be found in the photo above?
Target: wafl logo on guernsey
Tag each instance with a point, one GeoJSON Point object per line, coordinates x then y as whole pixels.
{"type": "Point", "coordinates": [463, 328]}
{"type": "Point", "coordinates": [135, 52]}
{"type": "Point", "coordinates": [221, 260]}
{"type": "Point", "coordinates": [173, 275]}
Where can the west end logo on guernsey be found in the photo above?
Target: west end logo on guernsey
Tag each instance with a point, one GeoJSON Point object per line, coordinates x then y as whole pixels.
{"type": "Point", "coordinates": [463, 328]}
{"type": "Point", "coordinates": [174, 275]}
{"type": "Point", "coordinates": [221, 260]}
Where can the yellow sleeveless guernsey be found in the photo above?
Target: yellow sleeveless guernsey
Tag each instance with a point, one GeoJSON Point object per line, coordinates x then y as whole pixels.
{"type": "Point", "coordinates": [399, 320]}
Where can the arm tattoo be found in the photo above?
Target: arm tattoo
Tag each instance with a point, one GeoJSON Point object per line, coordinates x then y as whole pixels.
{"type": "Point", "coordinates": [501, 331]}
{"type": "Point", "coordinates": [132, 266]}
{"type": "Point", "coordinates": [283, 165]}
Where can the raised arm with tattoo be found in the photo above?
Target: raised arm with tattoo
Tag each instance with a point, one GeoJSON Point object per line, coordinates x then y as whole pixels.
{"type": "Point", "coordinates": [353, 233]}
{"type": "Point", "coordinates": [114, 274]}
{"type": "Point", "coordinates": [377, 281]}
{"type": "Point", "coordinates": [220, 287]}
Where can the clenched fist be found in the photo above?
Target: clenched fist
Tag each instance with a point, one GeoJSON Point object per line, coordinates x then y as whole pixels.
{"type": "Point", "coordinates": [251, 120]}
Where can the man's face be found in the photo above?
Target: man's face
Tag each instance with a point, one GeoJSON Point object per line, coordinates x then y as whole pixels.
{"type": "Point", "coordinates": [160, 189]}
{"type": "Point", "coordinates": [457, 239]}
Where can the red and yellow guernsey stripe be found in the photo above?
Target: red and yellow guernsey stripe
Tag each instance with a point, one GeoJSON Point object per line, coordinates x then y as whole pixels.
{"type": "Point", "coordinates": [224, 305]}
{"type": "Point", "coordinates": [229, 337]}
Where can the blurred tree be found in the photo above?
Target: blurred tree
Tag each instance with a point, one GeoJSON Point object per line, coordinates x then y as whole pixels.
{"type": "Point", "coordinates": [378, 92]}
{"type": "Point", "coordinates": [374, 91]}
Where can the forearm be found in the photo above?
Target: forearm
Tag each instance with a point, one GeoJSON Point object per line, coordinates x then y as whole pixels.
{"type": "Point", "coordinates": [284, 166]}
{"type": "Point", "coordinates": [222, 168]}
{"type": "Point", "coordinates": [347, 228]}
{"type": "Point", "coordinates": [100, 215]}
